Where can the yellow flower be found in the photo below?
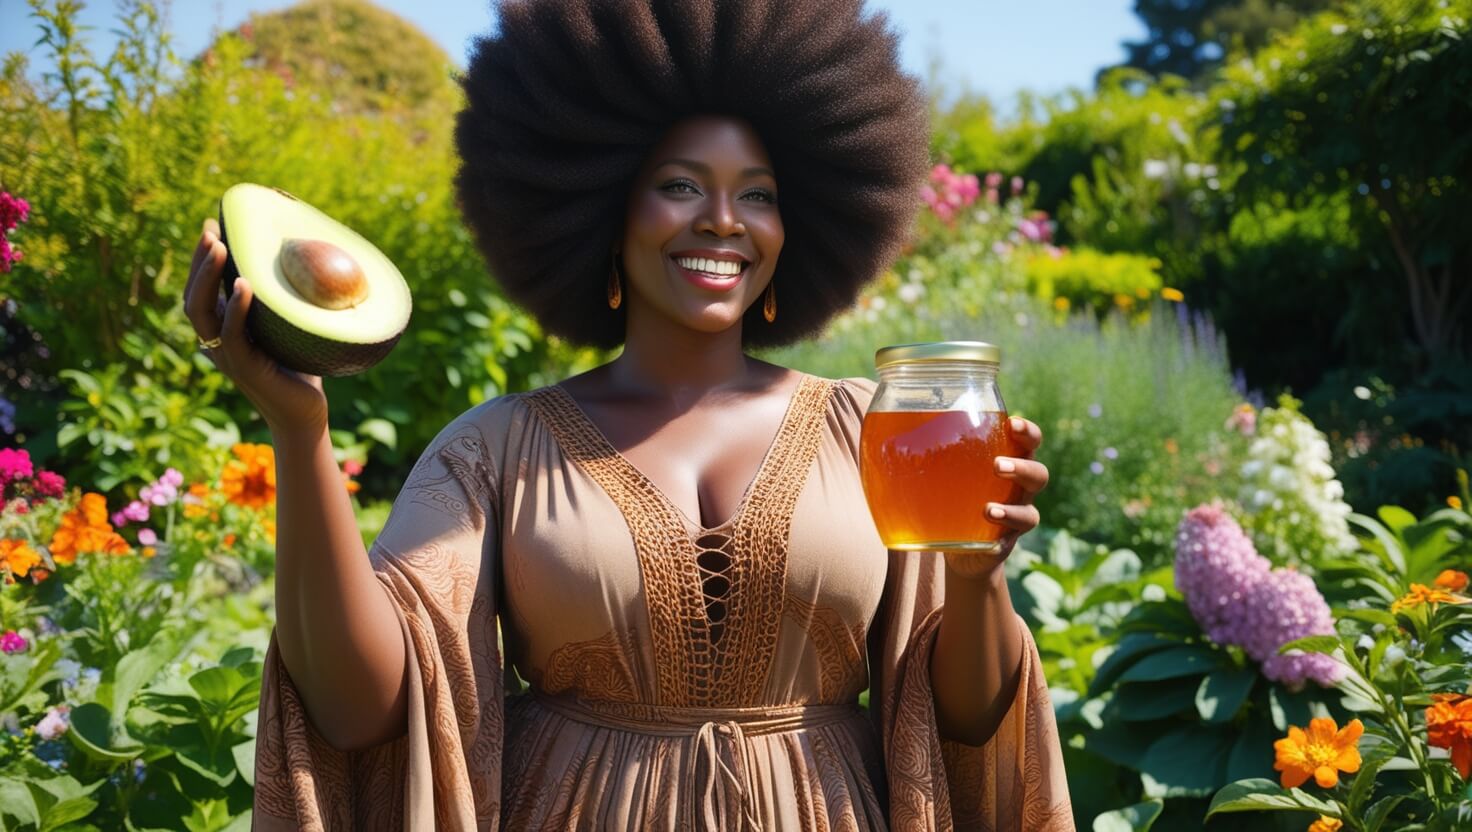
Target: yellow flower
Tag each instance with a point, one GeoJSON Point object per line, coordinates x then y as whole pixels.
{"type": "Point", "coordinates": [18, 557]}
{"type": "Point", "coordinates": [1423, 594]}
{"type": "Point", "coordinates": [1060, 303]}
{"type": "Point", "coordinates": [1326, 824]}
{"type": "Point", "coordinates": [250, 479]}
{"type": "Point", "coordinates": [1452, 579]}
{"type": "Point", "coordinates": [1174, 295]}
{"type": "Point", "coordinates": [1454, 501]}
{"type": "Point", "coordinates": [270, 528]}
{"type": "Point", "coordinates": [1321, 752]}
{"type": "Point", "coordinates": [194, 501]}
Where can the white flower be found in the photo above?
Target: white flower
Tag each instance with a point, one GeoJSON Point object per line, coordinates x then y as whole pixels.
{"type": "Point", "coordinates": [1156, 169]}
{"type": "Point", "coordinates": [1394, 655]}
{"type": "Point", "coordinates": [1152, 592]}
{"type": "Point", "coordinates": [54, 723]}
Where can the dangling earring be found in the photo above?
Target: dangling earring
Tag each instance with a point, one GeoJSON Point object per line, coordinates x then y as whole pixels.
{"type": "Point", "coordinates": [615, 291]}
{"type": "Point", "coordinates": [769, 306]}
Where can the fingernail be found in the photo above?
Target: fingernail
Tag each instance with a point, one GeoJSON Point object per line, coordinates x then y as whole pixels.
{"type": "Point", "coordinates": [996, 512]}
{"type": "Point", "coordinates": [1017, 425]}
{"type": "Point", "coordinates": [1006, 466]}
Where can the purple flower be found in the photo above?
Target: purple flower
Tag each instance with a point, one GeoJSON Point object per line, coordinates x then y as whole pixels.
{"type": "Point", "coordinates": [15, 464]}
{"type": "Point", "coordinates": [54, 723]}
{"type": "Point", "coordinates": [1283, 607]}
{"type": "Point", "coordinates": [13, 642]}
{"type": "Point", "coordinates": [1095, 410]}
{"type": "Point", "coordinates": [1111, 453]}
{"type": "Point", "coordinates": [1096, 466]}
{"type": "Point", "coordinates": [1216, 568]}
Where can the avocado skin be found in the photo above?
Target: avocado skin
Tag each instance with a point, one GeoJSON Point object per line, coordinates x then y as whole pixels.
{"type": "Point", "coordinates": [294, 348]}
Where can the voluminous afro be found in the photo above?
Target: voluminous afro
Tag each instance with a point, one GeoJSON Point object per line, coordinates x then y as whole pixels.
{"type": "Point", "coordinates": [567, 98]}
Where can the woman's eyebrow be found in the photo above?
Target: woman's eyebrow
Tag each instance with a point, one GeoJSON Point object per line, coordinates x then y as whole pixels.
{"type": "Point", "coordinates": [701, 167]}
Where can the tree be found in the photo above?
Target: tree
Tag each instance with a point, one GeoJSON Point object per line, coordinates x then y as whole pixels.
{"type": "Point", "coordinates": [1190, 37]}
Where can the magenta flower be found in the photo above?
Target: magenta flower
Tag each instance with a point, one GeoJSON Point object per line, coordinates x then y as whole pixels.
{"type": "Point", "coordinates": [13, 212]}
{"type": "Point", "coordinates": [49, 484]}
{"type": "Point", "coordinates": [15, 464]}
{"type": "Point", "coordinates": [13, 642]}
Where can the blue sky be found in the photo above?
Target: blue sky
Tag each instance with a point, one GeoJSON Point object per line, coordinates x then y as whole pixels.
{"type": "Point", "coordinates": [995, 47]}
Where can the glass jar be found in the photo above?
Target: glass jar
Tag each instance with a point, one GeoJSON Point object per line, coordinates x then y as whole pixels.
{"type": "Point", "coordinates": [927, 449]}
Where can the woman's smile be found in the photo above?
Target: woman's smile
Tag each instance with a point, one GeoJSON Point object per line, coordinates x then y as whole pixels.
{"type": "Point", "coordinates": [719, 270]}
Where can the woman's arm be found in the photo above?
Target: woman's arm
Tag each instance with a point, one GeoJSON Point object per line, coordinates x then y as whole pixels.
{"type": "Point", "coordinates": [977, 660]}
{"type": "Point", "coordinates": [336, 627]}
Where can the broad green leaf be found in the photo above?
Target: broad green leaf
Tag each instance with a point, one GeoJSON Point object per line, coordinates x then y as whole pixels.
{"type": "Point", "coordinates": [1252, 753]}
{"type": "Point", "coordinates": [66, 811]}
{"type": "Point", "coordinates": [237, 656]}
{"type": "Point", "coordinates": [1390, 550]}
{"type": "Point", "coordinates": [1369, 616]}
{"type": "Point", "coordinates": [139, 667]}
{"type": "Point", "coordinates": [1364, 781]}
{"type": "Point", "coordinates": [245, 760]}
{"type": "Point", "coordinates": [1137, 818]}
{"type": "Point", "coordinates": [1396, 518]}
{"type": "Point", "coordinates": [1377, 814]}
{"type": "Point", "coordinates": [1162, 617]}
{"type": "Point", "coordinates": [1188, 760]}
{"type": "Point", "coordinates": [1312, 644]}
{"type": "Point", "coordinates": [93, 732]}
{"type": "Point", "coordinates": [216, 686]}
{"type": "Point", "coordinates": [1173, 663]}
{"type": "Point", "coordinates": [1145, 701]}
{"type": "Point", "coordinates": [1221, 694]}
{"type": "Point", "coordinates": [1265, 795]}
{"type": "Point", "coordinates": [1131, 649]}
{"type": "Point", "coordinates": [380, 430]}
{"type": "Point", "coordinates": [1288, 708]}
{"type": "Point", "coordinates": [17, 802]}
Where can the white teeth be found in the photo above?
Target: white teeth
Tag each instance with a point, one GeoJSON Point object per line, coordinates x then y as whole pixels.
{"type": "Point", "coordinates": [723, 268]}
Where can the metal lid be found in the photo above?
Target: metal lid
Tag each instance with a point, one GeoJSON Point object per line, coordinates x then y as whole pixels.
{"type": "Point", "coordinates": [978, 351]}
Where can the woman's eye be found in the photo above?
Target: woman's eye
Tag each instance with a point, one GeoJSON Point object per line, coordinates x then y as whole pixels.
{"type": "Point", "coordinates": [680, 186]}
{"type": "Point", "coordinates": [762, 195]}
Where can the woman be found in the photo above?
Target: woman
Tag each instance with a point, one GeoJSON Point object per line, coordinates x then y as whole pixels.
{"type": "Point", "coordinates": [675, 545]}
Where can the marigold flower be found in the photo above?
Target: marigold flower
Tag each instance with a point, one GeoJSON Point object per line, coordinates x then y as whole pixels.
{"type": "Point", "coordinates": [1449, 726]}
{"type": "Point", "coordinates": [1326, 824]}
{"type": "Point", "coordinates": [270, 528]}
{"type": "Point", "coordinates": [85, 529]}
{"type": "Point", "coordinates": [229, 540]}
{"type": "Point", "coordinates": [18, 557]}
{"type": "Point", "coordinates": [1423, 594]}
{"type": "Point", "coordinates": [1454, 501]}
{"type": "Point", "coordinates": [1321, 752]}
{"type": "Point", "coordinates": [250, 479]}
{"type": "Point", "coordinates": [1452, 579]}
{"type": "Point", "coordinates": [1173, 295]}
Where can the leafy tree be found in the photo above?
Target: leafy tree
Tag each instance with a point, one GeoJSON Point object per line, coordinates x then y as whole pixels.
{"type": "Point", "coordinates": [1189, 37]}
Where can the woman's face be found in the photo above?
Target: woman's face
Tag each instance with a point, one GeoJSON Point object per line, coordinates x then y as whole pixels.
{"type": "Point", "coordinates": [703, 231]}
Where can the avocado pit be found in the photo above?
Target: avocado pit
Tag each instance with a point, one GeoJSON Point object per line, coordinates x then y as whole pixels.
{"type": "Point", "coordinates": [323, 274]}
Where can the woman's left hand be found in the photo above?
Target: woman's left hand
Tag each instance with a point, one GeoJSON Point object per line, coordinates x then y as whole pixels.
{"type": "Point", "coordinates": [1019, 518]}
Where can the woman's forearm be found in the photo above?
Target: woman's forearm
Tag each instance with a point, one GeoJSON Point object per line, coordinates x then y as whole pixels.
{"type": "Point", "coordinates": [977, 661]}
{"type": "Point", "coordinates": [336, 628]}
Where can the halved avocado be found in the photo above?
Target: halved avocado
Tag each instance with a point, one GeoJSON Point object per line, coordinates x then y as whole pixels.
{"type": "Point", "coordinates": [326, 301]}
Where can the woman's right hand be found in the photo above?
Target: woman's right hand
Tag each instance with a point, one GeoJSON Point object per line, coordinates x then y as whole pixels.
{"type": "Point", "coordinates": [292, 403]}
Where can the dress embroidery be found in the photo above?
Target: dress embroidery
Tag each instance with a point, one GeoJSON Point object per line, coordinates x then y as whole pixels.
{"type": "Point", "coordinates": [700, 661]}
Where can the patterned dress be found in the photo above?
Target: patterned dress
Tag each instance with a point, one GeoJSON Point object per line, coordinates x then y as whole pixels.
{"type": "Point", "coordinates": [656, 674]}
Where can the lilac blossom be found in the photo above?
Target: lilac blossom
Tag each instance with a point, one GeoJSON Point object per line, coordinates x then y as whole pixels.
{"type": "Point", "coordinates": [1283, 607]}
{"type": "Point", "coordinates": [1216, 568]}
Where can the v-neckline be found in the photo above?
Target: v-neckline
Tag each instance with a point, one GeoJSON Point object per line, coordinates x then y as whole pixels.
{"type": "Point", "coordinates": [606, 449]}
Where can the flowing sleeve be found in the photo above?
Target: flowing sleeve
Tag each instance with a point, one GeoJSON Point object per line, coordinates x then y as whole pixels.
{"type": "Point", "coordinates": [1013, 782]}
{"type": "Point", "coordinates": [437, 558]}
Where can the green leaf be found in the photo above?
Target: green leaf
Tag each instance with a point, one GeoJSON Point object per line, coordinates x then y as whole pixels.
{"type": "Point", "coordinates": [66, 811]}
{"type": "Point", "coordinates": [1288, 708]}
{"type": "Point", "coordinates": [1391, 553]}
{"type": "Point", "coordinates": [1137, 818]}
{"type": "Point", "coordinates": [245, 760]}
{"type": "Point", "coordinates": [237, 656]}
{"type": "Point", "coordinates": [140, 666]}
{"type": "Point", "coordinates": [16, 801]}
{"type": "Point", "coordinates": [1173, 663]}
{"type": "Point", "coordinates": [1376, 815]}
{"type": "Point", "coordinates": [1188, 760]}
{"type": "Point", "coordinates": [93, 732]}
{"type": "Point", "coordinates": [1131, 649]}
{"type": "Point", "coordinates": [1396, 518]}
{"type": "Point", "coordinates": [1145, 701]}
{"type": "Point", "coordinates": [381, 430]}
{"type": "Point", "coordinates": [1265, 795]}
{"type": "Point", "coordinates": [216, 686]}
{"type": "Point", "coordinates": [1312, 644]}
{"type": "Point", "coordinates": [1221, 694]}
{"type": "Point", "coordinates": [1364, 781]}
{"type": "Point", "coordinates": [1370, 616]}
{"type": "Point", "coordinates": [1162, 617]}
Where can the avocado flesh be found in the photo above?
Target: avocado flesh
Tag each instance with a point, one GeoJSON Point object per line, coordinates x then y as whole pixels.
{"type": "Point", "coordinates": [255, 221]}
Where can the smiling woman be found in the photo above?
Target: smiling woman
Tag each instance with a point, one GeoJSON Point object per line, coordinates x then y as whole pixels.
{"type": "Point", "coordinates": [673, 548]}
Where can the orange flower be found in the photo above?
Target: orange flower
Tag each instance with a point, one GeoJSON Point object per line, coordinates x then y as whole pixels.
{"type": "Point", "coordinates": [149, 551]}
{"type": "Point", "coordinates": [1423, 594]}
{"type": "Point", "coordinates": [85, 529]}
{"type": "Point", "coordinates": [18, 557]}
{"type": "Point", "coordinates": [1326, 824]}
{"type": "Point", "coordinates": [250, 479]}
{"type": "Point", "coordinates": [270, 527]}
{"type": "Point", "coordinates": [1449, 726]}
{"type": "Point", "coordinates": [1321, 752]}
{"type": "Point", "coordinates": [229, 540]}
{"type": "Point", "coordinates": [1452, 580]}
{"type": "Point", "coordinates": [194, 501]}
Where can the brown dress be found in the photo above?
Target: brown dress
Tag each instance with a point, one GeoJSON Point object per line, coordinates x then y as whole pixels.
{"type": "Point", "coordinates": [678, 677]}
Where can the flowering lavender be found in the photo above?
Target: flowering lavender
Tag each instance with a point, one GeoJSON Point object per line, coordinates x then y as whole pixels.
{"type": "Point", "coordinates": [1237, 598]}
{"type": "Point", "coordinates": [7, 415]}
{"type": "Point", "coordinates": [1216, 568]}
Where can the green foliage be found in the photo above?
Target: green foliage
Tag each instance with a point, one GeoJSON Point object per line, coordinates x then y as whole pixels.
{"type": "Point", "coordinates": [1090, 279]}
{"type": "Point", "coordinates": [1188, 38]}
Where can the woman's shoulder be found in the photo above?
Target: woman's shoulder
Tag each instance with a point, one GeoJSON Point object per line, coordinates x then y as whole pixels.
{"type": "Point", "coordinates": [852, 392]}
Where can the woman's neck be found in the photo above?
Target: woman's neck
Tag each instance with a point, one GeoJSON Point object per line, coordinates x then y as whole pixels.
{"type": "Point", "coordinates": [661, 357]}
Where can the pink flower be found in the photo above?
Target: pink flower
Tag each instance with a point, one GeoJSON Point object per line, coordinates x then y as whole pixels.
{"type": "Point", "coordinates": [1243, 419]}
{"type": "Point", "coordinates": [13, 642]}
{"type": "Point", "coordinates": [994, 180]}
{"type": "Point", "coordinates": [13, 211]}
{"type": "Point", "coordinates": [1016, 186]}
{"type": "Point", "coordinates": [49, 484]}
{"type": "Point", "coordinates": [15, 463]}
{"type": "Point", "coordinates": [1216, 568]}
{"type": "Point", "coordinates": [352, 467]}
{"type": "Point", "coordinates": [147, 536]}
{"type": "Point", "coordinates": [1286, 606]}
{"type": "Point", "coordinates": [54, 723]}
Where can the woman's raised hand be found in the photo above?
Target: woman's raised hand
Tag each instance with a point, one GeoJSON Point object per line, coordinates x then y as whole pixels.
{"type": "Point", "coordinates": [292, 403]}
{"type": "Point", "coordinates": [1018, 518]}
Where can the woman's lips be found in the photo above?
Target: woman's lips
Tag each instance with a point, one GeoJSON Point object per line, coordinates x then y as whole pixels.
{"type": "Point", "coordinates": [710, 281]}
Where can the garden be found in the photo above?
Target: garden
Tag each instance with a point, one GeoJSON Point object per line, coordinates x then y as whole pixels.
{"type": "Point", "coordinates": [1233, 294]}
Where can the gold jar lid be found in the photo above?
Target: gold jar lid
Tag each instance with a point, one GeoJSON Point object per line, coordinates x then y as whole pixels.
{"type": "Point", "coordinates": [978, 351]}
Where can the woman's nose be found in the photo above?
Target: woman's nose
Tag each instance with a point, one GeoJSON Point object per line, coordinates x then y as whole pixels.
{"type": "Point", "coordinates": [719, 217]}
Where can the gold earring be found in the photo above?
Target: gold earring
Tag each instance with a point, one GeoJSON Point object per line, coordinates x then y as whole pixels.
{"type": "Point", "coordinates": [769, 306]}
{"type": "Point", "coordinates": [615, 291]}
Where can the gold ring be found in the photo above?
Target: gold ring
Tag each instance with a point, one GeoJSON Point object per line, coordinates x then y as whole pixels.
{"type": "Point", "coordinates": [210, 344]}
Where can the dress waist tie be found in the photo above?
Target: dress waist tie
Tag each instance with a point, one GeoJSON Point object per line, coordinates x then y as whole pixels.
{"type": "Point", "coordinates": [703, 727]}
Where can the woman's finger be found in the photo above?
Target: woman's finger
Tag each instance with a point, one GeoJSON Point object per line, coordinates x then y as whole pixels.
{"type": "Point", "coordinates": [235, 345]}
{"type": "Point", "coordinates": [1029, 474]}
{"type": "Point", "coordinates": [201, 306]}
{"type": "Point", "coordinates": [1028, 435]}
{"type": "Point", "coordinates": [1020, 518]}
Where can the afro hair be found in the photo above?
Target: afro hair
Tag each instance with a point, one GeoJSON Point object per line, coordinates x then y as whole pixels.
{"type": "Point", "coordinates": [566, 99]}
